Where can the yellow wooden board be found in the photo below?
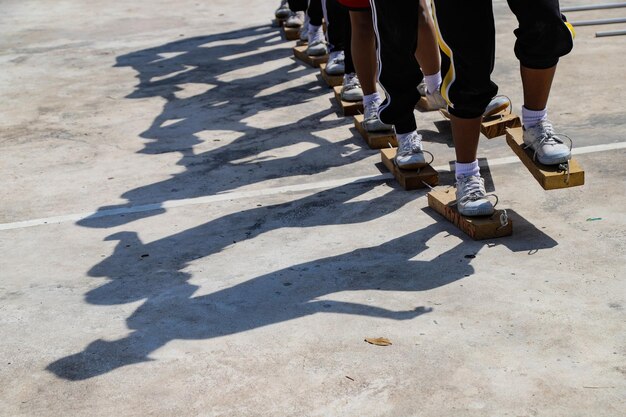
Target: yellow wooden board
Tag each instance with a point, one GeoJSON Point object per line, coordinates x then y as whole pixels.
{"type": "Point", "coordinates": [299, 51]}
{"type": "Point", "coordinates": [291, 34]}
{"type": "Point", "coordinates": [349, 108]}
{"type": "Point", "coordinates": [375, 140]}
{"type": "Point", "coordinates": [409, 179]}
{"type": "Point", "coordinates": [443, 199]}
{"type": "Point", "coordinates": [550, 177]}
{"type": "Point", "coordinates": [331, 80]}
{"type": "Point", "coordinates": [496, 125]}
{"type": "Point", "coordinates": [423, 106]}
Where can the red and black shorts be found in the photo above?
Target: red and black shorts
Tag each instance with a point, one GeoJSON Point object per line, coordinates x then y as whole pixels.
{"type": "Point", "coordinates": [355, 5]}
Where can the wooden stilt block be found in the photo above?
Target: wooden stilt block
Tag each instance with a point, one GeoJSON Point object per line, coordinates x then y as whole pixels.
{"type": "Point", "coordinates": [278, 23]}
{"type": "Point", "coordinates": [349, 108]}
{"type": "Point", "coordinates": [443, 199]}
{"type": "Point", "coordinates": [423, 106]}
{"type": "Point", "coordinates": [409, 179]}
{"type": "Point", "coordinates": [291, 34]}
{"type": "Point", "coordinates": [331, 80]}
{"type": "Point", "coordinates": [375, 140]}
{"type": "Point", "coordinates": [496, 125]}
{"type": "Point", "coordinates": [300, 53]}
{"type": "Point", "coordinates": [550, 177]}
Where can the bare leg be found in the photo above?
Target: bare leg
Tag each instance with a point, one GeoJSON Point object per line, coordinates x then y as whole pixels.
{"type": "Point", "coordinates": [537, 84]}
{"type": "Point", "coordinates": [466, 133]}
{"type": "Point", "coordinates": [364, 50]}
{"type": "Point", "coordinates": [427, 53]}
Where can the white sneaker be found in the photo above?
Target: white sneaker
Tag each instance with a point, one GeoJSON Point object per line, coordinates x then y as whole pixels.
{"type": "Point", "coordinates": [496, 105]}
{"type": "Point", "coordinates": [295, 20]}
{"type": "Point", "coordinates": [471, 197]}
{"type": "Point", "coordinates": [351, 89]}
{"type": "Point", "coordinates": [421, 88]}
{"type": "Point", "coordinates": [410, 154]}
{"type": "Point", "coordinates": [371, 122]}
{"type": "Point", "coordinates": [548, 146]}
{"type": "Point", "coordinates": [283, 11]}
{"type": "Point", "coordinates": [335, 65]}
{"type": "Point", "coordinates": [304, 30]}
{"type": "Point", "coordinates": [436, 100]}
{"type": "Point", "coordinates": [317, 43]}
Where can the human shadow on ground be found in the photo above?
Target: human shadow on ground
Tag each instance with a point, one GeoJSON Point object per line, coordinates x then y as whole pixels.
{"type": "Point", "coordinates": [235, 78]}
{"type": "Point", "coordinates": [171, 312]}
{"type": "Point", "coordinates": [155, 272]}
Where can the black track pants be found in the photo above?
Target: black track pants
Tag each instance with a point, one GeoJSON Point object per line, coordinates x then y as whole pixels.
{"type": "Point", "coordinates": [298, 5]}
{"type": "Point", "coordinates": [395, 23]}
{"type": "Point", "coordinates": [339, 30]}
{"type": "Point", "coordinates": [313, 9]}
{"type": "Point", "coordinates": [466, 35]}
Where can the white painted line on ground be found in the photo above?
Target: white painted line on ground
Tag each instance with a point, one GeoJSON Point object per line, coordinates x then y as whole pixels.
{"type": "Point", "coordinates": [237, 195]}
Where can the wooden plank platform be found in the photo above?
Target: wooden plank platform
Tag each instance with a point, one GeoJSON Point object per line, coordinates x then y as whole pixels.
{"type": "Point", "coordinates": [375, 140]}
{"type": "Point", "coordinates": [496, 125]}
{"type": "Point", "coordinates": [331, 80]}
{"type": "Point", "coordinates": [442, 200]}
{"type": "Point", "coordinates": [291, 34]}
{"type": "Point", "coordinates": [349, 108]}
{"type": "Point", "coordinates": [300, 53]}
{"type": "Point", "coordinates": [278, 23]}
{"type": "Point", "coordinates": [423, 106]}
{"type": "Point", "coordinates": [409, 179]}
{"type": "Point", "coordinates": [550, 177]}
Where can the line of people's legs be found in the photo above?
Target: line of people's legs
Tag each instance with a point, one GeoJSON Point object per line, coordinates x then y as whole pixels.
{"type": "Point", "coordinates": [448, 58]}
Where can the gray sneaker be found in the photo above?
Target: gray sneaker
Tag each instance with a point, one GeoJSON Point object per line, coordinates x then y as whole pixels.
{"type": "Point", "coordinates": [283, 11]}
{"type": "Point", "coordinates": [436, 100]}
{"type": "Point", "coordinates": [471, 197]}
{"type": "Point", "coordinates": [548, 147]}
{"type": "Point", "coordinates": [351, 89]}
{"type": "Point", "coordinates": [371, 122]}
{"type": "Point", "coordinates": [295, 20]}
{"type": "Point", "coordinates": [410, 154]}
{"type": "Point", "coordinates": [335, 65]}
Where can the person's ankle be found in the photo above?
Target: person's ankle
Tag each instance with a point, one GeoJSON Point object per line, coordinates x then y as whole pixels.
{"type": "Point", "coordinates": [466, 169]}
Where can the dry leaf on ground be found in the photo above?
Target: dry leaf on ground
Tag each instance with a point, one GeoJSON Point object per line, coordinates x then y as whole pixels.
{"type": "Point", "coordinates": [379, 341]}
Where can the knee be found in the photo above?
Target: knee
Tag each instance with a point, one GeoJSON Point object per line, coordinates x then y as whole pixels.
{"type": "Point", "coordinates": [540, 43]}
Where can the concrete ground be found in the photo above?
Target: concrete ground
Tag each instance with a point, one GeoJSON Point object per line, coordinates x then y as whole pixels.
{"type": "Point", "coordinates": [189, 228]}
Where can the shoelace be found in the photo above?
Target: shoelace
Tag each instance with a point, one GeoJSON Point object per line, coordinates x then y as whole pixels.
{"type": "Point", "coordinates": [474, 189]}
{"type": "Point", "coordinates": [547, 136]}
{"type": "Point", "coordinates": [413, 144]}
{"type": "Point", "coordinates": [352, 82]}
{"type": "Point", "coordinates": [335, 59]}
{"type": "Point", "coordinates": [371, 110]}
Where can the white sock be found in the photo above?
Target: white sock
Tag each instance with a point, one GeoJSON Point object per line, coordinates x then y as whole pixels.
{"type": "Point", "coordinates": [466, 170]}
{"type": "Point", "coordinates": [531, 117]}
{"type": "Point", "coordinates": [370, 98]}
{"type": "Point", "coordinates": [432, 82]}
{"type": "Point", "coordinates": [404, 136]}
